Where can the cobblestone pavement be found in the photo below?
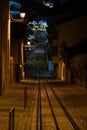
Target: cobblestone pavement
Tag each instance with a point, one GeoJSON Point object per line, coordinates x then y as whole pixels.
{"type": "Point", "coordinates": [74, 98]}
{"type": "Point", "coordinates": [14, 97]}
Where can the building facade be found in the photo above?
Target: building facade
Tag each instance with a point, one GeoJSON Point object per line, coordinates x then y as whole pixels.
{"type": "Point", "coordinates": [4, 45]}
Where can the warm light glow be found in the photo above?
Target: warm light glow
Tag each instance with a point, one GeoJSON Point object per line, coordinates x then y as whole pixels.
{"type": "Point", "coordinates": [22, 15]}
{"type": "Point", "coordinates": [28, 42]}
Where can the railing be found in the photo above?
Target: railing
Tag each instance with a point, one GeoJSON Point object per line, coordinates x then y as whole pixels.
{"type": "Point", "coordinates": [11, 118]}
{"type": "Point", "coordinates": [25, 97]}
{"type": "Point", "coordinates": [11, 122]}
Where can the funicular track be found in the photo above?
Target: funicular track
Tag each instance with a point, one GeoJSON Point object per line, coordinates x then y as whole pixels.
{"type": "Point", "coordinates": [51, 113]}
{"type": "Point", "coordinates": [39, 116]}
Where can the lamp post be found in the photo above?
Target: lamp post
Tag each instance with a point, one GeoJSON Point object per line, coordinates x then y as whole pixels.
{"type": "Point", "coordinates": [21, 19]}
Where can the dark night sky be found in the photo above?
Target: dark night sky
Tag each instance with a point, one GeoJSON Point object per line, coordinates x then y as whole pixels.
{"type": "Point", "coordinates": [35, 7]}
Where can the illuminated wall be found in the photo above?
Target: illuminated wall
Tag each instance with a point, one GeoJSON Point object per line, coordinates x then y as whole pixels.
{"type": "Point", "coordinates": [73, 31]}
{"type": "Point", "coordinates": [4, 45]}
{"type": "Point", "coordinates": [74, 34]}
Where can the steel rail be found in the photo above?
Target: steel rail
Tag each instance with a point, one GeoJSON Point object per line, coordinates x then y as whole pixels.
{"type": "Point", "coordinates": [39, 118]}
{"type": "Point", "coordinates": [55, 121]}
{"type": "Point", "coordinates": [70, 118]}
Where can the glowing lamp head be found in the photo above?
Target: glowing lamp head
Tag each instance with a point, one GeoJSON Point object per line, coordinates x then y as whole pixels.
{"type": "Point", "coordinates": [28, 43]}
{"type": "Point", "coordinates": [22, 15]}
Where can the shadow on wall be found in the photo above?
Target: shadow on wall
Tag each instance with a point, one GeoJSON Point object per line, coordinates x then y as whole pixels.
{"type": "Point", "coordinates": [17, 73]}
{"type": "Point", "coordinates": [79, 69]}
{"type": "Point", "coordinates": [80, 47]}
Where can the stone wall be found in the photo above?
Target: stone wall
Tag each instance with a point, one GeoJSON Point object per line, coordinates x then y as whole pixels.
{"type": "Point", "coordinates": [74, 34]}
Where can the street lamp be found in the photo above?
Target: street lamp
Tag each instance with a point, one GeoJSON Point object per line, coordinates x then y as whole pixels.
{"type": "Point", "coordinates": [22, 15]}
{"type": "Point", "coordinates": [21, 19]}
{"type": "Point", "coordinates": [28, 43]}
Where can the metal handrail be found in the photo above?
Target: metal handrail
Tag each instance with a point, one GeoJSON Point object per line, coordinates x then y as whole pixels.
{"type": "Point", "coordinates": [11, 118]}
{"type": "Point", "coordinates": [25, 97]}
